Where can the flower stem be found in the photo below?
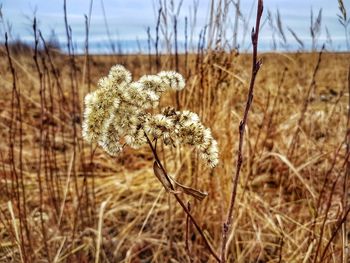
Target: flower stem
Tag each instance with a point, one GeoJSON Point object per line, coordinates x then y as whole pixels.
{"type": "Point", "coordinates": [196, 224]}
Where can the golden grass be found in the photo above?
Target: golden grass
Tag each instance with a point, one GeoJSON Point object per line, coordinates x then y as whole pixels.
{"type": "Point", "coordinates": [65, 201]}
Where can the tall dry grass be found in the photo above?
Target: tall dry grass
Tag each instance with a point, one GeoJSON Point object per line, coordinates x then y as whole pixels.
{"type": "Point", "coordinates": [65, 201]}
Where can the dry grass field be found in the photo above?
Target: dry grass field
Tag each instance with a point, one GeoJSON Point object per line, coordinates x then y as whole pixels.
{"type": "Point", "coordinates": [63, 200]}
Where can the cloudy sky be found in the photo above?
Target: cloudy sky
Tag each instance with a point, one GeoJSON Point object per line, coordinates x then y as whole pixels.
{"type": "Point", "coordinates": [128, 20]}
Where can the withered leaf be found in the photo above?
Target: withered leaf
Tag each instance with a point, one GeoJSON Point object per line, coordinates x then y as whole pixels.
{"type": "Point", "coordinates": [199, 195]}
{"type": "Point", "coordinates": [162, 177]}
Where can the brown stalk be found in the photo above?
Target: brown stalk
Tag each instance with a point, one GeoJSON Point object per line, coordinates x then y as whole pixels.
{"type": "Point", "coordinates": [340, 223]}
{"type": "Point", "coordinates": [271, 117]}
{"type": "Point", "coordinates": [42, 116]}
{"type": "Point", "coordinates": [74, 113]}
{"type": "Point", "coordinates": [62, 113]}
{"type": "Point", "coordinates": [49, 159]}
{"type": "Point", "coordinates": [255, 68]}
{"type": "Point", "coordinates": [188, 226]}
{"type": "Point", "coordinates": [329, 203]}
{"type": "Point", "coordinates": [254, 149]}
{"type": "Point", "coordinates": [87, 66]}
{"type": "Point", "coordinates": [3, 171]}
{"type": "Point", "coordinates": [16, 103]}
{"type": "Point", "coordinates": [182, 204]}
{"type": "Point", "coordinates": [311, 237]}
{"type": "Point", "coordinates": [305, 106]}
{"type": "Point", "coordinates": [346, 180]}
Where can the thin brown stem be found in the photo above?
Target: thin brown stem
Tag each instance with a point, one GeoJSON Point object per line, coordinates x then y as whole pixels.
{"type": "Point", "coordinates": [255, 68]}
{"type": "Point", "coordinates": [39, 170]}
{"type": "Point", "coordinates": [188, 226]}
{"type": "Point", "coordinates": [295, 138]}
{"type": "Point", "coordinates": [16, 104]}
{"type": "Point", "coordinates": [329, 202]}
{"type": "Point", "coordinates": [182, 204]}
{"type": "Point", "coordinates": [346, 181]}
{"type": "Point", "coordinates": [340, 223]}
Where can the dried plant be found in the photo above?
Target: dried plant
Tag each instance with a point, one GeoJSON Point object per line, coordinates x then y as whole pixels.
{"type": "Point", "coordinates": [300, 42]}
{"type": "Point", "coordinates": [118, 114]}
{"type": "Point", "coordinates": [65, 200]}
{"type": "Point", "coordinates": [344, 21]}
{"type": "Point", "coordinates": [280, 28]}
{"type": "Point", "coordinates": [315, 27]}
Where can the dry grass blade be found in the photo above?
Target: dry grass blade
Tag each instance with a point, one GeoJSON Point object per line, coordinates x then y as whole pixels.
{"type": "Point", "coordinates": [57, 256]}
{"type": "Point", "coordinates": [66, 189]}
{"type": "Point", "coordinates": [295, 171]}
{"type": "Point", "coordinates": [300, 42]}
{"type": "Point", "coordinates": [99, 229]}
{"type": "Point", "coordinates": [15, 228]}
{"type": "Point", "coordinates": [280, 27]}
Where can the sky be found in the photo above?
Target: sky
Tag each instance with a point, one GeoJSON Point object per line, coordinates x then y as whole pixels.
{"type": "Point", "coordinates": [128, 20]}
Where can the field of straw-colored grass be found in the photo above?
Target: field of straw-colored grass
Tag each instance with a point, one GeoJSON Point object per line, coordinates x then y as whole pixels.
{"type": "Point", "coordinates": [63, 200]}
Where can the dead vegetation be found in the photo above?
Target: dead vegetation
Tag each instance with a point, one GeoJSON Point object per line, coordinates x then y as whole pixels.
{"type": "Point", "coordinates": [63, 200]}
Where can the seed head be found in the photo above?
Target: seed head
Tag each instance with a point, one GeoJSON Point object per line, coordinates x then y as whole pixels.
{"type": "Point", "coordinates": [117, 114]}
{"type": "Point", "coordinates": [172, 79]}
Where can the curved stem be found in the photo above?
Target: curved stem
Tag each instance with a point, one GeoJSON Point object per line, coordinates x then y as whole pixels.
{"type": "Point", "coordinates": [194, 221]}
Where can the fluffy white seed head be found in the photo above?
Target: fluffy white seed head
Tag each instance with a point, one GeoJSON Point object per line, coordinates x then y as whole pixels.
{"type": "Point", "coordinates": [158, 126]}
{"type": "Point", "coordinates": [172, 79]}
{"type": "Point", "coordinates": [119, 76]}
{"type": "Point", "coordinates": [153, 83]}
{"type": "Point", "coordinates": [97, 107]}
{"type": "Point", "coordinates": [109, 139]}
{"type": "Point", "coordinates": [117, 114]}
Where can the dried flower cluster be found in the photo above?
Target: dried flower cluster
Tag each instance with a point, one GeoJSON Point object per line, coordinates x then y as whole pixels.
{"type": "Point", "coordinates": [117, 113]}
